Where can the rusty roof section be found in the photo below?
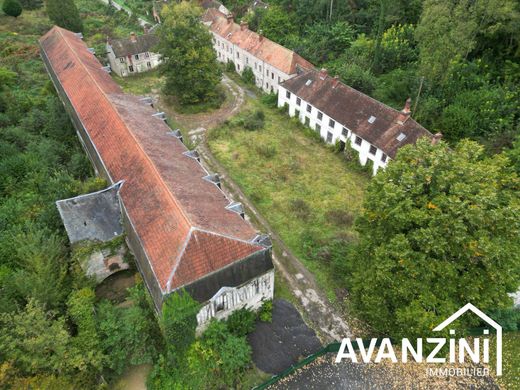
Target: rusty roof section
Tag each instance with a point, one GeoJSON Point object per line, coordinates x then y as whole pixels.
{"type": "Point", "coordinates": [164, 195]}
{"type": "Point", "coordinates": [262, 48]}
{"type": "Point", "coordinates": [353, 109]}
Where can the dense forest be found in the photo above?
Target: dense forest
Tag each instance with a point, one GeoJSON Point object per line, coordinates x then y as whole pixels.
{"type": "Point", "coordinates": [458, 60]}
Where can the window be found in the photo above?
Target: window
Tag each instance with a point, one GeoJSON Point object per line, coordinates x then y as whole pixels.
{"type": "Point", "coordinates": [309, 108]}
{"type": "Point", "coordinates": [401, 137]}
{"type": "Point", "coordinates": [238, 54]}
{"type": "Point", "coordinates": [255, 65]}
{"type": "Point", "coordinates": [372, 150]}
{"type": "Point", "coordinates": [332, 123]}
{"type": "Point", "coordinates": [344, 132]}
{"type": "Point", "coordinates": [238, 67]}
{"type": "Point", "coordinates": [149, 65]}
{"type": "Point", "coordinates": [298, 101]}
{"type": "Point", "coordinates": [122, 60]}
{"type": "Point", "coordinates": [247, 60]}
{"type": "Point", "coordinates": [358, 140]}
{"type": "Point", "coordinates": [318, 128]}
{"type": "Point", "coordinates": [146, 55]}
{"type": "Point", "coordinates": [131, 68]}
{"type": "Point", "coordinates": [383, 157]}
{"type": "Point", "coordinates": [320, 115]}
{"type": "Point", "coordinates": [287, 94]}
{"type": "Point", "coordinates": [272, 75]}
{"type": "Point", "coordinates": [267, 72]}
{"type": "Point", "coordinates": [259, 68]}
{"type": "Point", "coordinates": [279, 80]}
{"type": "Point", "coordinates": [329, 137]}
{"type": "Point", "coordinates": [136, 56]}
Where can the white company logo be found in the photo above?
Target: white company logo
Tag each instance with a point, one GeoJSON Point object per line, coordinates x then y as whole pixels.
{"type": "Point", "coordinates": [386, 351]}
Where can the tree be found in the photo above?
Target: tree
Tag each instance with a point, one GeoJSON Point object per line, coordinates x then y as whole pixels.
{"type": "Point", "coordinates": [12, 8]}
{"type": "Point", "coordinates": [439, 229]}
{"type": "Point", "coordinates": [277, 24]}
{"type": "Point", "coordinates": [179, 322]}
{"type": "Point", "coordinates": [190, 64]}
{"type": "Point", "coordinates": [64, 13]}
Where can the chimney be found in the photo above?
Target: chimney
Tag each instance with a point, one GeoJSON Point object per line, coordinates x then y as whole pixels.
{"type": "Point", "coordinates": [436, 138]}
{"type": "Point", "coordinates": [229, 18]}
{"type": "Point", "coordinates": [335, 81]}
{"type": "Point", "coordinates": [244, 25]}
{"type": "Point", "coordinates": [323, 73]}
{"type": "Point", "coordinates": [133, 37]}
{"type": "Point", "coordinates": [404, 114]}
{"type": "Point", "coordinates": [260, 35]}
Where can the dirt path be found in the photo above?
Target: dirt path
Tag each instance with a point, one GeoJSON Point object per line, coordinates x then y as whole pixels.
{"type": "Point", "coordinates": [324, 318]}
{"type": "Point", "coordinates": [197, 124]}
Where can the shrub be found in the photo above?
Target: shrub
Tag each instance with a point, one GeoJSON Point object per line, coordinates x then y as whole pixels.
{"type": "Point", "coordinates": [248, 76]}
{"type": "Point", "coordinates": [508, 318]}
{"type": "Point", "coordinates": [241, 322]}
{"type": "Point", "coordinates": [230, 66]}
{"type": "Point", "coordinates": [254, 120]}
{"type": "Point", "coordinates": [12, 8]}
{"type": "Point", "coordinates": [265, 314]}
{"type": "Point", "coordinates": [340, 217]}
{"type": "Point", "coordinates": [270, 100]}
{"type": "Point", "coordinates": [265, 150]}
{"type": "Point", "coordinates": [300, 208]}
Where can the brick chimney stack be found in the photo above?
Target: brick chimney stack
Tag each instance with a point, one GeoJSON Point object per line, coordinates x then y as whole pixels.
{"type": "Point", "coordinates": [229, 18]}
{"type": "Point", "coordinates": [244, 25]}
{"type": "Point", "coordinates": [335, 81]}
{"type": "Point", "coordinates": [133, 37]}
{"type": "Point", "coordinates": [404, 114]}
{"type": "Point", "coordinates": [323, 73]}
{"type": "Point", "coordinates": [436, 138]}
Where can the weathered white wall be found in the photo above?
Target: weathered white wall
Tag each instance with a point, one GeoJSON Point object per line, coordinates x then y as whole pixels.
{"type": "Point", "coordinates": [140, 65]}
{"type": "Point", "coordinates": [267, 77]}
{"type": "Point", "coordinates": [330, 134]}
{"type": "Point", "coordinates": [251, 294]}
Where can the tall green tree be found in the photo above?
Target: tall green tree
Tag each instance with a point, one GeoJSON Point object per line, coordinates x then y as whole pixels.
{"type": "Point", "coordinates": [190, 64]}
{"type": "Point", "coordinates": [64, 13]}
{"type": "Point", "coordinates": [12, 8]}
{"type": "Point", "coordinates": [439, 229]}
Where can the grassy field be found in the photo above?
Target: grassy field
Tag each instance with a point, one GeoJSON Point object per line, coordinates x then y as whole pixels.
{"type": "Point", "coordinates": [309, 194]}
{"type": "Point", "coordinates": [510, 379]}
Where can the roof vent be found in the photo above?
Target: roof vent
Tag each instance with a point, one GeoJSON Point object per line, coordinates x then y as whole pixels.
{"type": "Point", "coordinates": [160, 115]}
{"type": "Point", "coordinates": [372, 119]}
{"type": "Point", "coordinates": [309, 82]}
{"type": "Point", "coordinates": [107, 69]}
{"type": "Point", "coordinates": [214, 178]}
{"type": "Point", "coordinates": [237, 208]}
{"type": "Point", "coordinates": [79, 35]}
{"type": "Point", "coordinates": [91, 49]}
{"type": "Point", "coordinates": [401, 137]}
{"type": "Point", "coordinates": [263, 240]}
{"type": "Point", "coordinates": [192, 154]}
{"type": "Point", "coordinates": [147, 100]}
{"type": "Point", "coordinates": [176, 133]}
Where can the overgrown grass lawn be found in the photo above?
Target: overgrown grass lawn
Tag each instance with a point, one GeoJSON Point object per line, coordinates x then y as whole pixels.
{"type": "Point", "coordinates": [308, 194]}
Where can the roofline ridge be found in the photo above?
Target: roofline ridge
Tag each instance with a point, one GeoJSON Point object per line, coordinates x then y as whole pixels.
{"type": "Point", "coordinates": [143, 153]}
{"type": "Point", "coordinates": [179, 258]}
{"type": "Point", "coordinates": [196, 228]}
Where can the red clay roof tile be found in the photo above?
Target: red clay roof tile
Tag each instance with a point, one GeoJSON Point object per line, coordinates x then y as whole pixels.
{"type": "Point", "coordinates": [164, 194]}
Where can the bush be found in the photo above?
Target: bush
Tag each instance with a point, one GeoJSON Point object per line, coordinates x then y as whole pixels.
{"type": "Point", "coordinates": [254, 120]}
{"type": "Point", "coordinates": [265, 150]}
{"type": "Point", "coordinates": [300, 208]}
{"type": "Point", "coordinates": [241, 322]}
{"type": "Point", "coordinates": [340, 217]}
{"type": "Point", "coordinates": [248, 76]}
{"type": "Point", "coordinates": [230, 66]}
{"type": "Point", "coordinates": [270, 100]}
{"type": "Point", "coordinates": [265, 314]}
{"type": "Point", "coordinates": [509, 318]}
{"type": "Point", "coordinates": [12, 8]}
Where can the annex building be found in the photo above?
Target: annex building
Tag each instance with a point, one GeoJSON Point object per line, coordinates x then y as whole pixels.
{"type": "Point", "coordinates": [133, 55]}
{"type": "Point", "coordinates": [184, 231]}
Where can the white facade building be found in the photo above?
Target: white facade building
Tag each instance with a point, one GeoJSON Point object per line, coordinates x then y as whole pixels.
{"type": "Point", "coordinates": [342, 114]}
{"type": "Point", "coordinates": [133, 55]}
{"type": "Point", "coordinates": [270, 62]}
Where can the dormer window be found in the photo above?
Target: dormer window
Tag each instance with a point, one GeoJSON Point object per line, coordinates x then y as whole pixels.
{"type": "Point", "coordinates": [401, 137]}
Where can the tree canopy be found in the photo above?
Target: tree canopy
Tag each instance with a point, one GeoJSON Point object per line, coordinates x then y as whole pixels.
{"type": "Point", "coordinates": [439, 229]}
{"type": "Point", "coordinates": [64, 13]}
{"type": "Point", "coordinates": [190, 64]}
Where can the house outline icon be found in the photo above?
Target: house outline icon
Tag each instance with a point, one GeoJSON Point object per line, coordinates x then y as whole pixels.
{"type": "Point", "coordinates": [484, 317]}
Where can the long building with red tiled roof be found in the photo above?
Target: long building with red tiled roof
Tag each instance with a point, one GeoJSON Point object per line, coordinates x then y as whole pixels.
{"type": "Point", "coordinates": [270, 62]}
{"type": "Point", "coordinates": [342, 114]}
{"type": "Point", "coordinates": [183, 230]}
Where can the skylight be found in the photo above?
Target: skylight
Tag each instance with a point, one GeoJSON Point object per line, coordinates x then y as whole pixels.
{"type": "Point", "coordinates": [309, 82]}
{"type": "Point", "coordinates": [401, 137]}
{"type": "Point", "coordinates": [372, 119]}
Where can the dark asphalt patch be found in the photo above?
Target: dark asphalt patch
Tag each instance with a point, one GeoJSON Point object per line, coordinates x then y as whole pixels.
{"type": "Point", "coordinates": [284, 341]}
